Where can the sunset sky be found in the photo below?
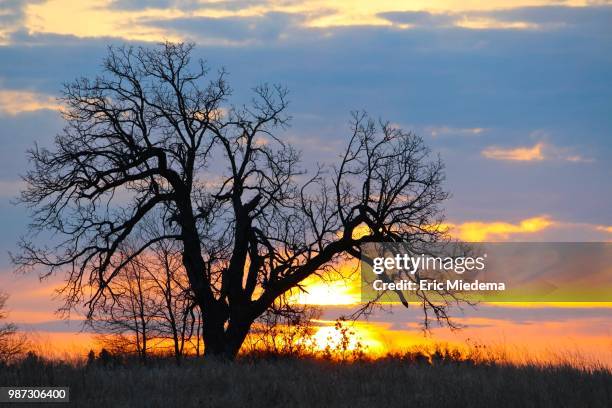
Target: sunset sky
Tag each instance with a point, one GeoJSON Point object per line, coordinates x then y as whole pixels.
{"type": "Point", "coordinates": [515, 96]}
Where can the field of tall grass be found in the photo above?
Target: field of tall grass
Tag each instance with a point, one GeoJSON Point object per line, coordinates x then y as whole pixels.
{"type": "Point", "coordinates": [442, 378]}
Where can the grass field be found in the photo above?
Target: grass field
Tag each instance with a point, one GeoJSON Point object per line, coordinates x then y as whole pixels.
{"type": "Point", "coordinates": [291, 382]}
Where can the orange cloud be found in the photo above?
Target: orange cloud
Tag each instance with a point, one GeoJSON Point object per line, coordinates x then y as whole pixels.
{"type": "Point", "coordinates": [538, 152]}
{"type": "Point", "coordinates": [516, 154]}
{"type": "Point", "coordinates": [14, 102]}
{"type": "Point", "coordinates": [478, 231]}
{"type": "Point", "coordinates": [604, 228]}
{"type": "Point", "coordinates": [480, 23]}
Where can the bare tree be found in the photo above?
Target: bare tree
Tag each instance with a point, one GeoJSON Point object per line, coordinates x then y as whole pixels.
{"type": "Point", "coordinates": [12, 343]}
{"type": "Point", "coordinates": [153, 133]}
{"type": "Point", "coordinates": [128, 322]}
{"type": "Point", "coordinates": [151, 302]}
{"type": "Point", "coordinates": [176, 311]}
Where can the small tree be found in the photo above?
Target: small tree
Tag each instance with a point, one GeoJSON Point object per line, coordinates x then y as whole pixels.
{"type": "Point", "coordinates": [152, 133]}
{"type": "Point", "coordinates": [12, 343]}
{"type": "Point", "coordinates": [177, 319]}
{"type": "Point", "coordinates": [150, 303]}
{"type": "Point", "coordinates": [127, 320]}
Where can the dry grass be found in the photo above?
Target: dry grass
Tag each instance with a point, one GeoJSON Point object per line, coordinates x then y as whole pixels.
{"type": "Point", "coordinates": [410, 379]}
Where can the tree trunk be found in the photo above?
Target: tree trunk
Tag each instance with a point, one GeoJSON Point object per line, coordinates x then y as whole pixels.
{"type": "Point", "coordinates": [224, 342]}
{"type": "Point", "coordinates": [235, 335]}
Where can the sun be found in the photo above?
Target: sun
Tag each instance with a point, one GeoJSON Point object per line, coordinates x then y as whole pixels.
{"type": "Point", "coordinates": [357, 337]}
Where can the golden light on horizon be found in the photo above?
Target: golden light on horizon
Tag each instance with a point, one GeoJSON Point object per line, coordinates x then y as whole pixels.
{"type": "Point", "coordinates": [358, 337]}
{"type": "Point", "coordinates": [547, 342]}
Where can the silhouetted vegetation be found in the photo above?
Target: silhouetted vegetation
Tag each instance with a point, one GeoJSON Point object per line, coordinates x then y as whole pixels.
{"type": "Point", "coordinates": [410, 379]}
{"type": "Point", "coordinates": [153, 308]}
{"type": "Point", "coordinates": [12, 343]}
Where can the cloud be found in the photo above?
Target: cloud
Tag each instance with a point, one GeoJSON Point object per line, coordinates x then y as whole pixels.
{"type": "Point", "coordinates": [559, 16]}
{"type": "Point", "coordinates": [437, 131]}
{"type": "Point", "coordinates": [538, 152]}
{"type": "Point", "coordinates": [11, 188]}
{"type": "Point", "coordinates": [487, 23]}
{"type": "Point", "coordinates": [605, 228]}
{"type": "Point", "coordinates": [517, 16]}
{"type": "Point", "coordinates": [477, 231]}
{"type": "Point", "coordinates": [537, 228]}
{"type": "Point", "coordinates": [467, 20]}
{"type": "Point", "coordinates": [90, 19]}
{"type": "Point", "coordinates": [231, 31]}
{"type": "Point", "coordinates": [11, 18]}
{"type": "Point", "coordinates": [149, 20]}
{"type": "Point", "coordinates": [419, 18]}
{"type": "Point", "coordinates": [14, 102]}
{"type": "Point", "coordinates": [533, 153]}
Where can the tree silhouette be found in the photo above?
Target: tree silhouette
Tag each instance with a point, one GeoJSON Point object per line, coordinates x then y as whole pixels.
{"type": "Point", "coordinates": [128, 321]}
{"type": "Point", "coordinates": [155, 132]}
{"type": "Point", "coordinates": [177, 319]}
{"type": "Point", "coordinates": [12, 343]}
{"type": "Point", "coordinates": [151, 301]}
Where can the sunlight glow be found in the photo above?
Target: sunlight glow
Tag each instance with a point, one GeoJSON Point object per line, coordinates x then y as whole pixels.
{"type": "Point", "coordinates": [334, 292]}
{"type": "Point", "coordinates": [357, 337]}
